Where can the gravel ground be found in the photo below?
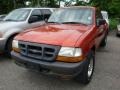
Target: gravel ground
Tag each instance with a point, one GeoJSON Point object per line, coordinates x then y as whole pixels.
{"type": "Point", "coordinates": [106, 76]}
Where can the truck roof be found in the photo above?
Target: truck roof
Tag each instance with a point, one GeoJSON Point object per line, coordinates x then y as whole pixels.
{"type": "Point", "coordinates": [80, 7]}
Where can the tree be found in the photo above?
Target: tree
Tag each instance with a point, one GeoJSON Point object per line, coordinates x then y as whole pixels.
{"type": "Point", "coordinates": [5, 6]}
{"type": "Point", "coordinates": [112, 6]}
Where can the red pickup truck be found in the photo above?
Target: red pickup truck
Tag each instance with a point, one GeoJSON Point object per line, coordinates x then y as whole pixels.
{"type": "Point", "coordinates": [65, 46]}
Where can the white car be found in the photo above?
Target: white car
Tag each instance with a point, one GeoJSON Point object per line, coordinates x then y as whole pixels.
{"type": "Point", "coordinates": [19, 20]}
{"type": "Point", "coordinates": [105, 16]}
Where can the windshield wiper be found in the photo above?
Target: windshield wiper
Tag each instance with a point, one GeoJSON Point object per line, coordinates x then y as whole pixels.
{"type": "Point", "coordinates": [10, 20]}
{"type": "Point", "coordinates": [54, 22]}
{"type": "Point", "coordinates": [74, 23]}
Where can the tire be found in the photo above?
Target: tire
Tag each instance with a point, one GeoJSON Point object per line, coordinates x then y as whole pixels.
{"type": "Point", "coordinates": [117, 35]}
{"type": "Point", "coordinates": [104, 42]}
{"type": "Point", "coordinates": [8, 48]}
{"type": "Point", "coordinates": [86, 75]}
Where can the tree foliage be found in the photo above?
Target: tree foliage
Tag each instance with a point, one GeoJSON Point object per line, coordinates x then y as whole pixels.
{"type": "Point", "coordinates": [112, 6]}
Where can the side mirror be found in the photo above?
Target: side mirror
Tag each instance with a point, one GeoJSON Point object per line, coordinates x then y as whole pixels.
{"type": "Point", "coordinates": [100, 22]}
{"type": "Point", "coordinates": [33, 19]}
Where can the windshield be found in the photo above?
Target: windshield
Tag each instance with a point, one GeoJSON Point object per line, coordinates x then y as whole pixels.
{"type": "Point", "coordinates": [71, 15]}
{"type": "Point", "coordinates": [18, 15]}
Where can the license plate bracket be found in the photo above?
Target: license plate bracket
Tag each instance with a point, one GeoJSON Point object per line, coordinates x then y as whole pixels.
{"type": "Point", "coordinates": [33, 66]}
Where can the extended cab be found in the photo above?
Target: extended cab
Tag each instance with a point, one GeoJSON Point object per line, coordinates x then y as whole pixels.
{"type": "Point", "coordinates": [65, 46]}
{"type": "Point", "coordinates": [19, 20]}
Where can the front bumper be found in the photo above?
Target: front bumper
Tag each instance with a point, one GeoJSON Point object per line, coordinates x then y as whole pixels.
{"type": "Point", "coordinates": [2, 44]}
{"type": "Point", "coordinates": [58, 68]}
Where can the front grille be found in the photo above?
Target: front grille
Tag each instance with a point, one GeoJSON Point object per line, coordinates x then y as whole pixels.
{"type": "Point", "coordinates": [39, 51]}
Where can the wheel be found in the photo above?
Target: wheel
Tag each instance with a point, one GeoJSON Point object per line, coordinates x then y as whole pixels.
{"type": "Point", "coordinates": [88, 69]}
{"type": "Point", "coordinates": [8, 48]}
{"type": "Point", "coordinates": [104, 42]}
{"type": "Point", "coordinates": [117, 35]}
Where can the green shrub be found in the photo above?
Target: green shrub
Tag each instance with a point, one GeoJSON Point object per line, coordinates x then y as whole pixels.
{"type": "Point", "coordinates": [113, 23]}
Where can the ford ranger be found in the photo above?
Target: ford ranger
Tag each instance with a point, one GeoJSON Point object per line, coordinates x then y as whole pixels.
{"type": "Point", "coordinates": [65, 46]}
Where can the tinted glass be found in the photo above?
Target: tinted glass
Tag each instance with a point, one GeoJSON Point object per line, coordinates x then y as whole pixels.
{"type": "Point", "coordinates": [46, 13]}
{"type": "Point", "coordinates": [37, 13]}
{"type": "Point", "coordinates": [99, 15]}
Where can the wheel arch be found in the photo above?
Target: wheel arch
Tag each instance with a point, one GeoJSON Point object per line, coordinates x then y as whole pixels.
{"type": "Point", "coordinates": [10, 36]}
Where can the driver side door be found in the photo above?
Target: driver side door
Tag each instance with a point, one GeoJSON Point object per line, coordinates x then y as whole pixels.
{"type": "Point", "coordinates": [100, 29]}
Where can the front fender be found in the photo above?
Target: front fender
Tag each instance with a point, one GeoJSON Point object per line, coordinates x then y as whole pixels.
{"type": "Point", "coordinates": [6, 36]}
{"type": "Point", "coordinates": [11, 32]}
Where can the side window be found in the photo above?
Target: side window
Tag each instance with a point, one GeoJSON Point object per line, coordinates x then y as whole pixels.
{"type": "Point", "coordinates": [99, 15]}
{"type": "Point", "coordinates": [37, 13]}
{"type": "Point", "coordinates": [46, 13]}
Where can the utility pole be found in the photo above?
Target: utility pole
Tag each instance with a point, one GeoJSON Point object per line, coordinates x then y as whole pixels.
{"type": "Point", "coordinates": [44, 1]}
{"type": "Point", "coordinates": [59, 3]}
{"type": "Point", "coordinates": [14, 2]}
{"type": "Point", "coordinates": [38, 4]}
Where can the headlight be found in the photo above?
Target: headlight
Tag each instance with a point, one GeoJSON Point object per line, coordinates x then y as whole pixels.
{"type": "Point", "coordinates": [15, 46]}
{"type": "Point", "coordinates": [70, 52]}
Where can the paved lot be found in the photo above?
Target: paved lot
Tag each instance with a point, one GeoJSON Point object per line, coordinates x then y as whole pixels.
{"type": "Point", "coordinates": [106, 76]}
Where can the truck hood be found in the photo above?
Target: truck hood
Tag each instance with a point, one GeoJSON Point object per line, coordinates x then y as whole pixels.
{"type": "Point", "coordinates": [7, 25]}
{"type": "Point", "coordinates": [63, 35]}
